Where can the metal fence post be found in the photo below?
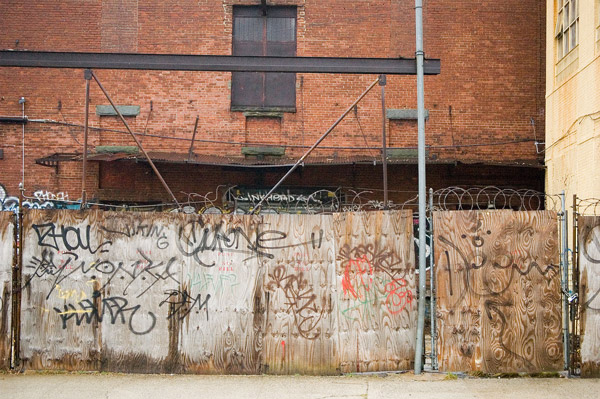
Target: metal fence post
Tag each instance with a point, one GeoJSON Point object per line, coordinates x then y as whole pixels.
{"type": "Point", "coordinates": [432, 286]}
{"type": "Point", "coordinates": [565, 279]}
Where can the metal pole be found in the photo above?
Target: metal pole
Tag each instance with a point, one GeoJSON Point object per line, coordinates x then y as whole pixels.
{"type": "Point", "coordinates": [432, 286]}
{"type": "Point", "coordinates": [164, 183]}
{"type": "Point", "coordinates": [18, 284]}
{"type": "Point", "coordinates": [22, 102]}
{"type": "Point", "coordinates": [382, 83]}
{"type": "Point", "coordinates": [87, 76]}
{"type": "Point", "coordinates": [575, 278]}
{"type": "Point", "coordinates": [422, 184]}
{"type": "Point", "coordinates": [565, 280]}
{"type": "Point", "coordinates": [307, 153]}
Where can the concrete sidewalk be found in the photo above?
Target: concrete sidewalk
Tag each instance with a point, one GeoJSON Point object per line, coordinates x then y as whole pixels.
{"type": "Point", "coordinates": [430, 386]}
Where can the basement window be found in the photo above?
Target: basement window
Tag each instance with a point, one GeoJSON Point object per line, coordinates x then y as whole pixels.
{"type": "Point", "coordinates": [567, 27]}
{"type": "Point", "coordinates": [259, 31]}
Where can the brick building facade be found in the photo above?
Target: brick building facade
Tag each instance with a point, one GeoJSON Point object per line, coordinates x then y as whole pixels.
{"type": "Point", "coordinates": [485, 109]}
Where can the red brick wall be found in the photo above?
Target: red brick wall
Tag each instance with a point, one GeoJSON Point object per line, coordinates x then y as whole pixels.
{"type": "Point", "coordinates": [491, 85]}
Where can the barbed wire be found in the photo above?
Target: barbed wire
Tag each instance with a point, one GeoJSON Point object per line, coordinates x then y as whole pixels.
{"type": "Point", "coordinates": [233, 200]}
{"type": "Point", "coordinates": [492, 197]}
{"type": "Point", "coordinates": [588, 206]}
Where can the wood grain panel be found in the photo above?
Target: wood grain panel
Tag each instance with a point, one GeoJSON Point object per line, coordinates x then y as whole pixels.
{"type": "Point", "coordinates": [61, 271]}
{"type": "Point", "coordinates": [7, 238]}
{"type": "Point", "coordinates": [141, 278]}
{"type": "Point", "coordinates": [498, 291]}
{"type": "Point", "coordinates": [458, 314]}
{"type": "Point", "coordinates": [589, 267]}
{"type": "Point", "coordinates": [226, 335]}
{"type": "Point", "coordinates": [171, 293]}
{"type": "Point", "coordinates": [375, 288]}
{"type": "Point", "coordinates": [299, 280]}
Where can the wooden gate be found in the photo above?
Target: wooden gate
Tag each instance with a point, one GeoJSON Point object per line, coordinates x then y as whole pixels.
{"type": "Point", "coordinates": [589, 288]}
{"type": "Point", "coordinates": [498, 291]}
{"type": "Point", "coordinates": [7, 239]}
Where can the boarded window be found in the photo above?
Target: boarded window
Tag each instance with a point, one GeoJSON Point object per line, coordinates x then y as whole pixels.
{"type": "Point", "coordinates": [274, 34]}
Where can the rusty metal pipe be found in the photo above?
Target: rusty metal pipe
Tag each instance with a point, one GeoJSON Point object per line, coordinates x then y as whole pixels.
{"type": "Point", "coordinates": [382, 82]}
{"type": "Point", "coordinates": [87, 75]}
{"type": "Point", "coordinates": [307, 153]}
{"type": "Point", "coordinates": [164, 183]}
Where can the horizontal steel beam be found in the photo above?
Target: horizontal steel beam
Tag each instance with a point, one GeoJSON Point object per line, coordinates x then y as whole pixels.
{"type": "Point", "coordinates": [223, 63]}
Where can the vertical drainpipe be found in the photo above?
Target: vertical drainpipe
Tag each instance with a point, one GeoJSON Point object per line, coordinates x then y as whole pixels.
{"type": "Point", "coordinates": [422, 184]}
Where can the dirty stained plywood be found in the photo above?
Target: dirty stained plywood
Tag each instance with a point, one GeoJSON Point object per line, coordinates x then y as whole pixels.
{"type": "Point", "coordinates": [589, 285]}
{"type": "Point", "coordinates": [498, 291]}
{"type": "Point", "coordinates": [300, 329]}
{"type": "Point", "coordinates": [62, 265]}
{"type": "Point", "coordinates": [222, 306]}
{"type": "Point", "coordinates": [7, 253]}
{"type": "Point", "coordinates": [375, 297]}
{"type": "Point", "coordinates": [237, 294]}
{"type": "Point", "coordinates": [141, 292]}
{"type": "Point", "coordinates": [140, 271]}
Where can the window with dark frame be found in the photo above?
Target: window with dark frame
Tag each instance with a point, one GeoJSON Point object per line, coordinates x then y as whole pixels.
{"type": "Point", "coordinates": [272, 33]}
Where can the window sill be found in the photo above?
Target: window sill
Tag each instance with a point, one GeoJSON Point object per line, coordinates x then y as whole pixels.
{"type": "Point", "coordinates": [266, 112]}
{"type": "Point", "coordinates": [567, 65]}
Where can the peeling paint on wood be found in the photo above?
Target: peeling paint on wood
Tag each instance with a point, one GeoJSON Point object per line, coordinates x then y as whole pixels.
{"type": "Point", "coordinates": [6, 264]}
{"type": "Point", "coordinates": [498, 291]}
{"type": "Point", "coordinates": [589, 285]}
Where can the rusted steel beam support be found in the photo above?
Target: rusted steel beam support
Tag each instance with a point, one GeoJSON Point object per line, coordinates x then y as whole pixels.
{"type": "Point", "coordinates": [164, 183]}
{"type": "Point", "coordinates": [191, 151]}
{"type": "Point", "coordinates": [222, 63]}
{"type": "Point", "coordinates": [307, 153]}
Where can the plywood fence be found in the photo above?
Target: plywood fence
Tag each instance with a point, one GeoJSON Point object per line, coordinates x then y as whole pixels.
{"type": "Point", "coordinates": [7, 240]}
{"type": "Point", "coordinates": [139, 292]}
{"type": "Point", "coordinates": [498, 291]}
{"type": "Point", "coordinates": [589, 285]}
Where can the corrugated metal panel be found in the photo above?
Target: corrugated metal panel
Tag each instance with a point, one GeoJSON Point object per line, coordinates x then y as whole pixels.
{"type": "Point", "coordinates": [7, 239]}
{"type": "Point", "coordinates": [376, 290]}
{"type": "Point", "coordinates": [498, 291]}
{"type": "Point", "coordinates": [589, 266]}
